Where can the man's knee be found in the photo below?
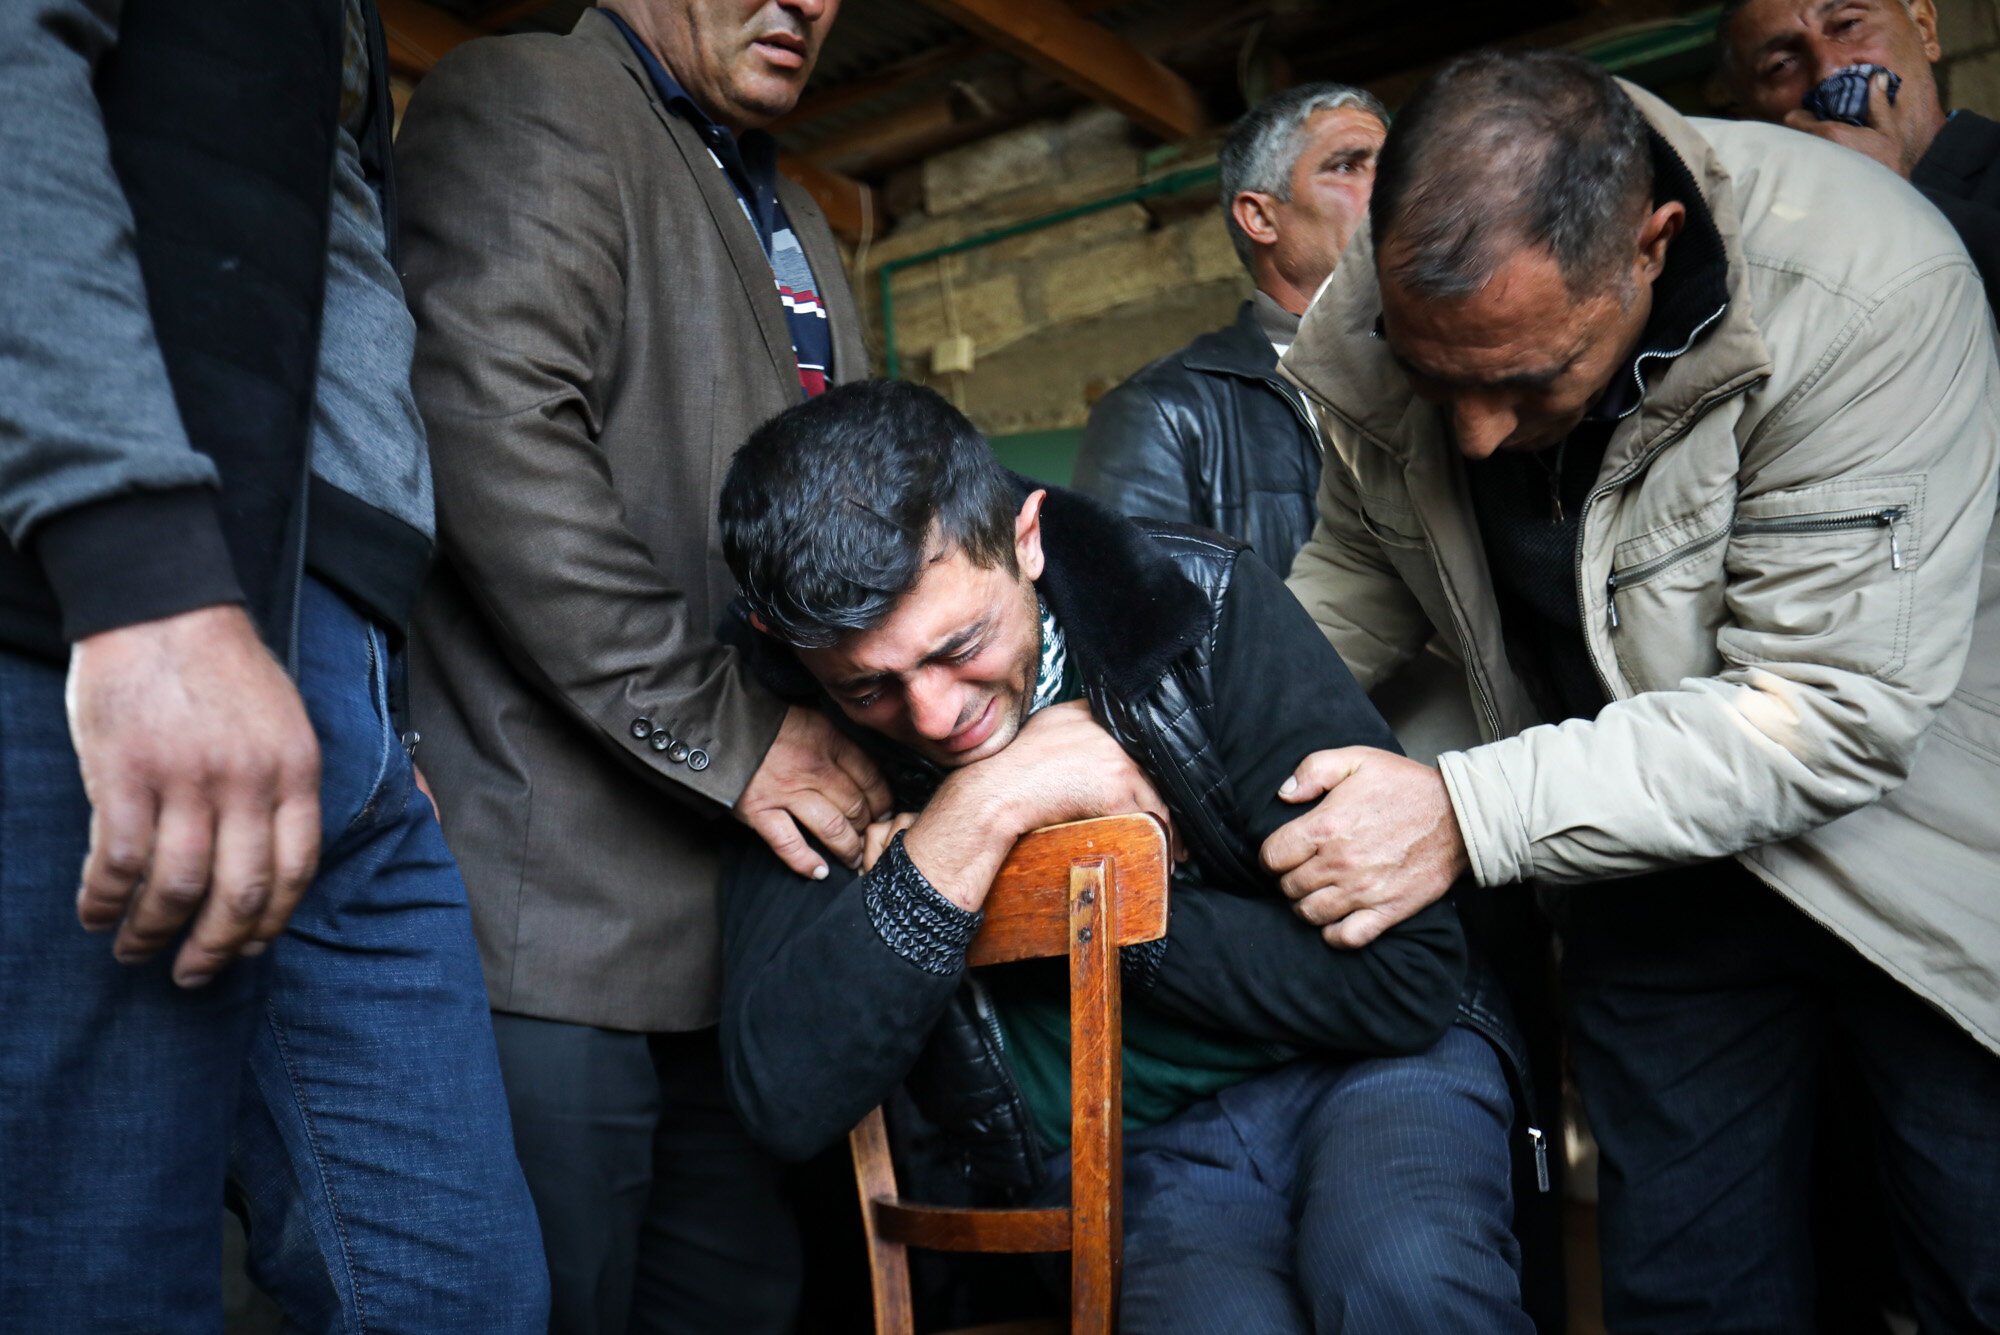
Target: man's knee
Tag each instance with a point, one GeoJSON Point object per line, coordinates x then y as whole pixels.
{"type": "Point", "coordinates": [1407, 1222]}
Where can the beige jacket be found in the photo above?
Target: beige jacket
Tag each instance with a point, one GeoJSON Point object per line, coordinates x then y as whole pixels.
{"type": "Point", "coordinates": [597, 334]}
{"type": "Point", "coordinates": [1799, 520]}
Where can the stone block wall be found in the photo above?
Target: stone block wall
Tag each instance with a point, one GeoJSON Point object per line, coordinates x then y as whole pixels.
{"type": "Point", "coordinates": [1061, 314]}
{"type": "Point", "coordinates": [1969, 74]}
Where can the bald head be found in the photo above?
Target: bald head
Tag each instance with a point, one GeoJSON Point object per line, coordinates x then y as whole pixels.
{"type": "Point", "coordinates": [1501, 153]}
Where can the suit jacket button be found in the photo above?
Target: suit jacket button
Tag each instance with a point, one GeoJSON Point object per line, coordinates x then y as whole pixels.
{"type": "Point", "coordinates": [697, 759]}
{"type": "Point", "coordinates": [660, 741]}
{"type": "Point", "coordinates": [678, 752]}
{"type": "Point", "coordinates": [642, 728]}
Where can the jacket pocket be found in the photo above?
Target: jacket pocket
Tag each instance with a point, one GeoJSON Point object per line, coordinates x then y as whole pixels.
{"type": "Point", "coordinates": [1823, 574]}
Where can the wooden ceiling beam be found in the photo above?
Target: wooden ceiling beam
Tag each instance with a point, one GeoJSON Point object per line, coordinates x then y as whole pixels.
{"type": "Point", "coordinates": [847, 204]}
{"type": "Point", "coordinates": [1054, 38]}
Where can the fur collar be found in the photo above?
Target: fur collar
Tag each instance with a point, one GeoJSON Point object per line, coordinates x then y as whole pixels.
{"type": "Point", "coordinates": [1125, 607]}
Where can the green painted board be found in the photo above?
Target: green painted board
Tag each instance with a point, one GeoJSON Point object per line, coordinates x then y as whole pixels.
{"type": "Point", "coordinates": [1045, 456]}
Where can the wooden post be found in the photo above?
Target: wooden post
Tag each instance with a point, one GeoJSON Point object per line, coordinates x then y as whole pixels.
{"type": "Point", "coordinates": [1097, 1114]}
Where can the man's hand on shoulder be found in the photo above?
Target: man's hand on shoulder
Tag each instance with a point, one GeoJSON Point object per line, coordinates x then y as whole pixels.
{"type": "Point", "coordinates": [1062, 766]}
{"type": "Point", "coordinates": [1382, 844]}
{"type": "Point", "coordinates": [813, 781]}
{"type": "Point", "coordinates": [203, 777]}
{"type": "Point", "coordinates": [1895, 135]}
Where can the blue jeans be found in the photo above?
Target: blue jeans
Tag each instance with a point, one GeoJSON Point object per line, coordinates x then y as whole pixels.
{"type": "Point", "coordinates": [1700, 1005]}
{"type": "Point", "coordinates": [1364, 1196]}
{"type": "Point", "coordinates": [342, 1088]}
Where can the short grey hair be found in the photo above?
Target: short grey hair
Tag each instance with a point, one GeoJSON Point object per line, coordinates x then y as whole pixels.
{"type": "Point", "coordinates": [1265, 144]}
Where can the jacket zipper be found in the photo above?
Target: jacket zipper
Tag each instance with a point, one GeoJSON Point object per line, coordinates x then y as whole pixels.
{"type": "Point", "coordinates": [1630, 471]}
{"type": "Point", "coordinates": [1645, 570]}
{"type": "Point", "coordinates": [982, 1005]}
{"type": "Point", "coordinates": [1885, 518]}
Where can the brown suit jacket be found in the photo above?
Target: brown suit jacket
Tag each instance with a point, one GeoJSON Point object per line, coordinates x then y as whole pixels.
{"type": "Point", "coordinates": [598, 331]}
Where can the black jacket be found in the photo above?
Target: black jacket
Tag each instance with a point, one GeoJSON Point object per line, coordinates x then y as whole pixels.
{"type": "Point", "coordinates": [1957, 173]}
{"type": "Point", "coordinates": [1210, 435]}
{"type": "Point", "coordinates": [221, 117]}
{"type": "Point", "coordinates": [1217, 681]}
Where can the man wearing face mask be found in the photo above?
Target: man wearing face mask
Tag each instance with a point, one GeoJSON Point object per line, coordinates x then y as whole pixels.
{"type": "Point", "coordinates": [1694, 460]}
{"type": "Point", "coordinates": [1776, 53]}
{"type": "Point", "coordinates": [612, 286]}
{"type": "Point", "coordinates": [1211, 434]}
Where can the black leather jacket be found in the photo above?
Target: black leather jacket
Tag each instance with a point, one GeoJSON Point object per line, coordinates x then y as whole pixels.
{"type": "Point", "coordinates": [822, 1017]}
{"type": "Point", "coordinates": [1957, 173]}
{"type": "Point", "coordinates": [1210, 435]}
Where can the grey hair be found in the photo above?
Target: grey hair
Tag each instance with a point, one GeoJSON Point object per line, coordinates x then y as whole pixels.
{"type": "Point", "coordinates": [1265, 144]}
{"type": "Point", "coordinates": [1498, 152]}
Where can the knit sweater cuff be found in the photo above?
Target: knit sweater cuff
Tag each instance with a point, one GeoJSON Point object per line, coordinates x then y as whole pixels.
{"type": "Point", "coordinates": [138, 557]}
{"type": "Point", "coordinates": [913, 919]}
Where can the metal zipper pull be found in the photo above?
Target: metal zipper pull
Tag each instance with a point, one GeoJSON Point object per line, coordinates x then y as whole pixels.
{"type": "Point", "coordinates": [1541, 1144]}
{"type": "Point", "coordinates": [1895, 547]}
{"type": "Point", "coordinates": [1611, 598]}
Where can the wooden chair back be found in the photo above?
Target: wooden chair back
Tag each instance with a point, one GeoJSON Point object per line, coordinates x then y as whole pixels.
{"type": "Point", "coordinates": [1080, 890]}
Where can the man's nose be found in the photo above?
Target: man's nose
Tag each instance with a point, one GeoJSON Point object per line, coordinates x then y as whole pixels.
{"type": "Point", "coordinates": [1482, 425]}
{"type": "Point", "coordinates": [1821, 58]}
{"type": "Point", "coordinates": [935, 703]}
{"type": "Point", "coordinates": [809, 10]}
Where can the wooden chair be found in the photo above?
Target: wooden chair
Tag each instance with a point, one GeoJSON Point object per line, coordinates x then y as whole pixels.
{"type": "Point", "coordinates": [1080, 890]}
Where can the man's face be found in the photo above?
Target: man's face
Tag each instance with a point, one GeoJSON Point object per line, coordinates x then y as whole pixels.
{"type": "Point", "coordinates": [744, 61]}
{"type": "Point", "coordinates": [1515, 363]}
{"type": "Point", "coordinates": [951, 674]}
{"type": "Point", "coordinates": [1780, 50]}
{"type": "Point", "coordinates": [1331, 181]}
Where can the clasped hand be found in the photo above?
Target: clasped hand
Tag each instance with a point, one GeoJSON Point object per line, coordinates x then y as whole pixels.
{"type": "Point", "coordinates": [1063, 766]}
{"type": "Point", "coordinates": [1382, 843]}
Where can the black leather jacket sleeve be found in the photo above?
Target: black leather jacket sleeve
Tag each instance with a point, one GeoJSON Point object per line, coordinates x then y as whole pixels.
{"type": "Point", "coordinates": [1249, 965]}
{"type": "Point", "coordinates": [1134, 458]}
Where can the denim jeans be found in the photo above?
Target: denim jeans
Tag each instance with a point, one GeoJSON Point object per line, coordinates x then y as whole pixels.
{"type": "Point", "coordinates": [1367, 1196]}
{"type": "Point", "coordinates": [1701, 1005]}
{"type": "Point", "coordinates": [342, 1088]}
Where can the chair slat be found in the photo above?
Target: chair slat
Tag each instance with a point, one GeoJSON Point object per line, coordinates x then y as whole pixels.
{"type": "Point", "coordinates": [965, 1229]}
{"type": "Point", "coordinates": [1027, 911]}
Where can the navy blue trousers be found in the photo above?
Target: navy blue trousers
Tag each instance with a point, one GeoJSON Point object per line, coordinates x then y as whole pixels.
{"type": "Point", "coordinates": [344, 1084]}
{"type": "Point", "coordinates": [1360, 1197]}
{"type": "Point", "coordinates": [1701, 1004]}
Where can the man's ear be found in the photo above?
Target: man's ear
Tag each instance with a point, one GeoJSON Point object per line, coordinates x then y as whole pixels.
{"type": "Point", "coordinates": [1255, 213]}
{"type": "Point", "coordinates": [1662, 225]}
{"type": "Point", "coordinates": [1924, 14]}
{"type": "Point", "coordinates": [1028, 536]}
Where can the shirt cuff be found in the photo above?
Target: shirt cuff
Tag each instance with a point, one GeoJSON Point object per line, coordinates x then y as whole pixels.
{"type": "Point", "coordinates": [137, 557]}
{"type": "Point", "coordinates": [913, 919]}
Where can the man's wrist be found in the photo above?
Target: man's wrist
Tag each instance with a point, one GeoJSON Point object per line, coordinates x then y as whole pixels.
{"type": "Point", "coordinates": [962, 836]}
{"type": "Point", "coordinates": [914, 918]}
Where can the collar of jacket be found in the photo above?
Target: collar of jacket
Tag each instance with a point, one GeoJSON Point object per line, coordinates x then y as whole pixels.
{"type": "Point", "coordinates": [1125, 608]}
{"type": "Point", "coordinates": [1965, 148]}
{"type": "Point", "coordinates": [1342, 364]}
{"type": "Point", "coordinates": [1239, 349]}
